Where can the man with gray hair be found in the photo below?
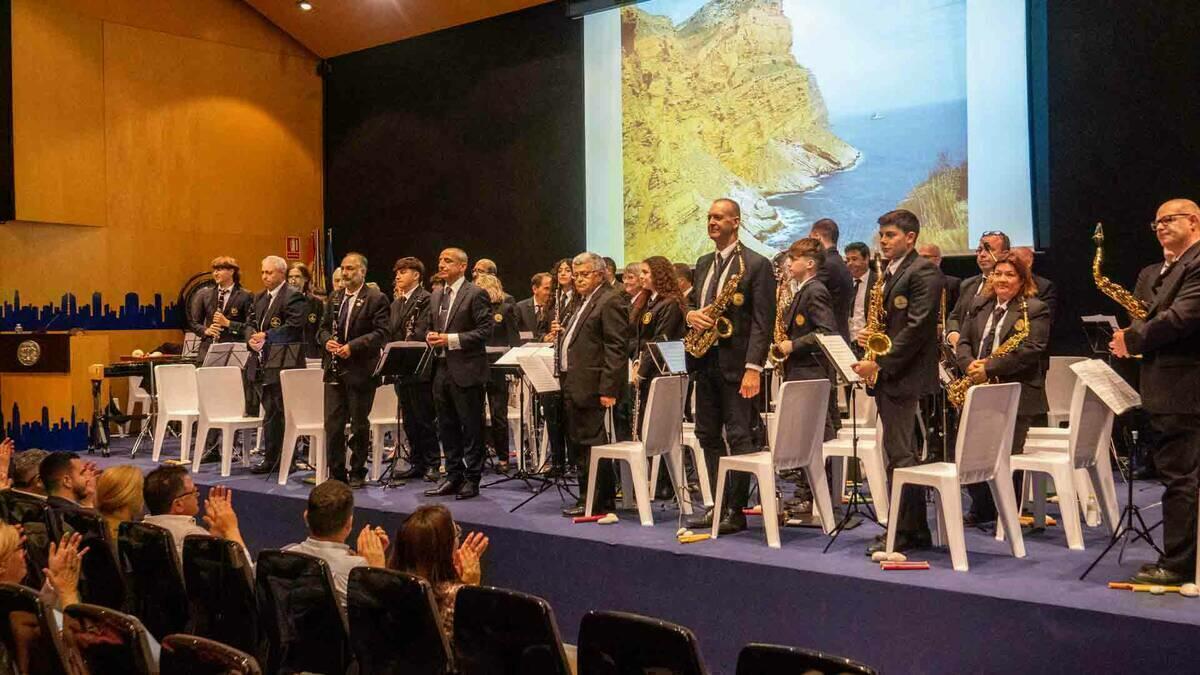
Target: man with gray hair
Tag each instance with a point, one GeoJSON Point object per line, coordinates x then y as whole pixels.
{"type": "Point", "coordinates": [276, 319]}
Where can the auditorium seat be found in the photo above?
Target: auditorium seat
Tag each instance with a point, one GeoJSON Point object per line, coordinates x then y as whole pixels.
{"type": "Point", "coordinates": [22, 606]}
{"type": "Point", "coordinates": [101, 582]}
{"type": "Point", "coordinates": [178, 401]}
{"type": "Point", "coordinates": [797, 445]}
{"type": "Point", "coordinates": [222, 398]}
{"type": "Point", "coordinates": [503, 632]}
{"type": "Point", "coordinates": [394, 623]}
{"type": "Point", "coordinates": [299, 615]}
{"type": "Point", "coordinates": [612, 643]}
{"type": "Point", "coordinates": [763, 659]}
{"type": "Point", "coordinates": [107, 640]}
{"type": "Point", "coordinates": [34, 516]}
{"type": "Point", "coordinates": [220, 591]}
{"type": "Point", "coordinates": [303, 415]}
{"type": "Point", "coordinates": [151, 565]}
{"type": "Point", "coordinates": [383, 419]}
{"type": "Point", "coordinates": [192, 655]}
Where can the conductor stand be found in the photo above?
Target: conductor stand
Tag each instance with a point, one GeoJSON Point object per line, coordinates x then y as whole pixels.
{"type": "Point", "coordinates": [401, 361]}
{"type": "Point", "coordinates": [857, 509]}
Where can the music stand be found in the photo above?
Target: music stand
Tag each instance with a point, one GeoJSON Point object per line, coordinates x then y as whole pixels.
{"type": "Point", "coordinates": [536, 370]}
{"type": "Point", "coordinates": [399, 361]}
{"type": "Point", "coordinates": [1099, 329]}
{"type": "Point", "coordinates": [226, 354]}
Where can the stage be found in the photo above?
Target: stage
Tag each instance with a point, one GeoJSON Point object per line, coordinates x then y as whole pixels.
{"type": "Point", "coordinates": [1029, 615]}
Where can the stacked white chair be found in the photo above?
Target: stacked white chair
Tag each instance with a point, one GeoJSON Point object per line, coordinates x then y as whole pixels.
{"type": "Point", "coordinates": [797, 445]}
{"type": "Point", "coordinates": [1060, 385]}
{"type": "Point", "coordinates": [178, 401]}
{"type": "Point", "coordinates": [985, 435]}
{"type": "Point", "coordinates": [870, 455]}
{"type": "Point", "coordinates": [660, 435]}
{"type": "Point", "coordinates": [222, 407]}
{"type": "Point", "coordinates": [303, 415]}
{"type": "Point", "coordinates": [384, 417]}
{"type": "Point", "coordinates": [136, 396]}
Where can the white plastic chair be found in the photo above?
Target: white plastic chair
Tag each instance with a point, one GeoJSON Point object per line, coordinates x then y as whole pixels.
{"type": "Point", "coordinates": [1091, 430]}
{"type": "Point", "coordinates": [660, 435]}
{"type": "Point", "coordinates": [870, 456]}
{"type": "Point", "coordinates": [1056, 437]}
{"type": "Point", "coordinates": [222, 407]}
{"type": "Point", "coordinates": [692, 445]}
{"type": "Point", "coordinates": [383, 417]}
{"type": "Point", "coordinates": [313, 363]}
{"type": "Point", "coordinates": [303, 415]}
{"type": "Point", "coordinates": [136, 396]}
{"type": "Point", "coordinates": [178, 401]}
{"type": "Point", "coordinates": [797, 445]}
{"type": "Point", "coordinates": [984, 441]}
{"type": "Point", "coordinates": [1060, 385]}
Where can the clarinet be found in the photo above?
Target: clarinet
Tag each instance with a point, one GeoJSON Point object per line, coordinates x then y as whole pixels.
{"type": "Point", "coordinates": [335, 372]}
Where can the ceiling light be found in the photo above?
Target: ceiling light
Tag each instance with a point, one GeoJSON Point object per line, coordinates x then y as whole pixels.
{"type": "Point", "coordinates": [304, 5]}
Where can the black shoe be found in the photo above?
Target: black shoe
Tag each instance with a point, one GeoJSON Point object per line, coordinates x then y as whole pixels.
{"type": "Point", "coordinates": [702, 522]}
{"type": "Point", "coordinates": [262, 467]}
{"type": "Point", "coordinates": [975, 520]}
{"type": "Point", "coordinates": [905, 541]}
{"type": "Point", "coordinates": [469, 490]}
{"type": "Point", "coordinates": [412, 473]}
{"type": "Point", "coordinates": [732, 521]}
{"type": "Point", "coordinates": [574, 511]}
{"type": "Point", "coordinates": [1160, 576]}
{"type": "Point", "coordinates": [357, 483]}
{"type": "Point", "coordinates": [444, 489]}
{"type": "Point", "coordinates": [431, 476]}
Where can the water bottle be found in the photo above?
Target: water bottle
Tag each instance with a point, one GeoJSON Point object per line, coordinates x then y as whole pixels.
{"type": "Point", "coordinates": [19, 329]}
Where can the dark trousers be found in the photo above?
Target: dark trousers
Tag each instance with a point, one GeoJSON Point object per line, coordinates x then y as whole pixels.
{"type": "Point", "coordinates": [899, 417]}
{"type": "Point", "coordinates": [553, 414]}
{"type": "Point", "coordinates": [343, 403]}
{"type": "Point", "coordinates": [1177, 462]}
{"type": "Point", "coordinates": [460, 425]}
{"type": "Point", "coordinates": [417, 411]}
{"type": "Point", "coordinates": [720, 406]}
{"type": "Point", "coordinates": [983, 507]}
{"type": "Point", "coordinates": [272, 403]}
{"type": "Point", "coordinates": [585, 428]}
{"type": "Point", "coordinates": [497, 401]}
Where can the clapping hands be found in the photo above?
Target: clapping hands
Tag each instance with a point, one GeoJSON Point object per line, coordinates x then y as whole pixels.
{"type": "Point", "coordinates": [372, 545]}
{"type": "Point", "coordinates": [466, 558]}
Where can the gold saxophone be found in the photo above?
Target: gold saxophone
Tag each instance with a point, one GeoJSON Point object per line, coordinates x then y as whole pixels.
{"type": "Point", "coordinates": [783, 299]}
{"type": "Point", "coordinates": [697, 342]}
{"type": "Point", "coordinates": [877, 343]}
{"type": "Point", "coordinates": [956, 391]}
{"type": "Point", "coordinates": [1136, 308]}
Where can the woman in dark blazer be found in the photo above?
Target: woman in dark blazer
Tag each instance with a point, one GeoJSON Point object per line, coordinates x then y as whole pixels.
{"type": "Point", "coordinates": [505, 335]}
{"type": "Point", "coordinates": [300, 278]}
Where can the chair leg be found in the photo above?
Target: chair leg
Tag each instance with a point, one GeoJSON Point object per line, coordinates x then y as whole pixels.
{"type": "Point", "coordinates": [952, 522]}
{"type": "Point", "coordinates": [376, 451]}
{"type": "Point", "coordinates": [1084, 488]}
{"type": "Point", "coordinates": [245, 449]}
{"type": "Point", "coordinates": [655, 463]}
{"type": "Point", "coordinates": [316, 444]}
{"type": "Point", "coordinates": [722, 471]}
{"type": "Point", "coordinates": [285, 455]}
{"type": "Point", "coordinates": [185, 438]}
{"type": "Point", "coordinates": [628, 492]}
{"type": "Point", "coordinates": [1006, 511]}
{"type": "Point", "coordinates": [1039, 500]}
{"type": "Point", "coordinates": [770, 506]}
{"type": "Point", "coordinates": [160, 433]}
{"type": "Point", "coordinates": [593, 467]}
{"type": "Point", "coordinates": [683, 498]}
{"type": "Point", "coordinates": [876, 472]}
{"type": "Point", "coordinates": [837, 472]}
{"type": "Point", "coordinates": [1064, 484]}
{"type": "Point", "coordinates": [702, 474]}
{"type": "Point", "coordinates": [893, 511]}
{"type": "Point", "coordinates": [821, 497]}
{"type": "Point", "coordinates": [201, 437]}
{"type": "Point", "coordinates": [641, 492]}
{"type": "Point", "coordinates": [939, 534]}
{"type": "Point", "coordinates": [227, 433]}
{"type": "Point", "coordinates": [1106, 494]}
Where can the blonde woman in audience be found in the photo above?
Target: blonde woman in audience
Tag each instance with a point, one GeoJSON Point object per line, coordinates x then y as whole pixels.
{"type": "Point", "coordinates": [119, 497]}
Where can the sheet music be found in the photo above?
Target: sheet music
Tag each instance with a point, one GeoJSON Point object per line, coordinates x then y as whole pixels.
{"type": "Point", "coordinates": [675, 356]}
{"type": "Point", "coordinates": [1105, 319]}
{"type": "Point", "coordinates": [532, 349]}
{"type": "Point", "coordinates": [539, 374]}
{"type": "Point", "coordinates": [840, 355]}
{"type": "Point", "coordinates": [1108, 385]}
{"type": "Point", "coordinates": [525, 334]}
{"type": "Point", "coordinates": [399, 344]}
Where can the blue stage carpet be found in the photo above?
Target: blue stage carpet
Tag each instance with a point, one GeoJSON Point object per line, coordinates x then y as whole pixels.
{"type": "Point", "coordinates": [1030, 615]}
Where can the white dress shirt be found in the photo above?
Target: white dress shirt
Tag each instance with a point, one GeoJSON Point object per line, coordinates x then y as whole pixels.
{"type": "Point", "coordinates": [988, 326]}
{"type": "Point", "coordinates": [566, 344]}
{"type": "Point", "coordinates": [340, 560]}
{"type": "Point", "coordinates": [858, 308]}
{"type": "Point", "coordinates": [452, 289]}
{"type": "Point", "coordinates": [179, 527]}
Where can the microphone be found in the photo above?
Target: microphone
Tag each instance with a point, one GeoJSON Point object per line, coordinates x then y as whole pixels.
{"type": "Point", "coordinates": [44, 328]}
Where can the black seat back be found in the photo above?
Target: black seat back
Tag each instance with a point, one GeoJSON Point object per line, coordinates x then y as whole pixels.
{"type": "Point", "coordinates": [102, 582]}
{"type": "Point", "coordinates": [763, 659]}
{"type": "Point", "coordinates": [299, 615]}
{"type": "Point", "coordinates": [220, 591]}
{"type": "Point", "coordinates": [617, 643]}
{"type": "Point", "coordinates": [192, 655]}
{"type": "Point", "coordinates": [394, 623]}
{"type": "Point", "coordinates": [151, 567]}
{"type": "Point", "coordinates": [33, 515]}
{"type": "Point", "coordinates": [503, 632]}
{"type": "Point", "coordinates": [26, 627]}
{"type": "Point", "coordinates": [108, 641]}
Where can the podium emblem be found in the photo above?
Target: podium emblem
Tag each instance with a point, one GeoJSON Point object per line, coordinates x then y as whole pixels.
{"type": "Point", "coordinates": [29, 353]}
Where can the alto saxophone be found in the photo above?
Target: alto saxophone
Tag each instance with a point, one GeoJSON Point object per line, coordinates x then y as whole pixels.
{"type": "Point", "coordinates": [956, 391]}
{"type": "Point", "coordinates": [877, 343]}
{"type": "Point", "coordinates": [783, 299]}
{"type": "Point", "coordinates": [1136, 308]}
{"type": "Point", "coordinates": [698, 341]}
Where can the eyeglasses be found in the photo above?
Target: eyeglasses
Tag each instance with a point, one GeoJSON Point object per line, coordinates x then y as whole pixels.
{"type": "Point", "coordinates": [188, 494]}
{"type": "Point", "coordinates": [1165, 220]}
{"type": "Point", "coordinates": [992, 233]}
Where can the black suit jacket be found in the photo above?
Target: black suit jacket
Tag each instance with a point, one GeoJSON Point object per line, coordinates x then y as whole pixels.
{"type": "Point", "coordinates": [553, 311]}
{"type": "Point", "coordinates": [662, 320]}
{"type": "Point", "coordinates": [416, 307]}
{"type": "Point", "coordinates": [471, 318]}
{"type": "Point", "coordinates": [527, 318]}
{"type": "Point", "coordinates": [1169, 340]}
{"type": "Point", "coordinates": [839, 283]}
{"type": "Point", "coordinates": [505, 329]}
{"type": "Point", "coordinates": [809, 315]}
{"type": "Point", "coordinates": [1024, 364]}
{"type": "Point", "coordinates": [1144, 288]}
{"type": "Point", "coordinates": [283, 322]}
{"type": "Point", "coordinates": [1047, 292]}
{"type": "Point", "coordinates": [911, 315]}
{"type": "Point", "coordinates": [237, 310]}
{"type": "Point", "coordinates": [966, 299]}
{"type": "Point", "coordinates": [366, 335]}
{"type": "Point", "coordinates": [597, 356]}
{"type": "Point", "coordinates": [951, 284]}
{"type": "Point", "coordinates": [312, 324]}
{"type": "Point", "coordinates": [753, 318]}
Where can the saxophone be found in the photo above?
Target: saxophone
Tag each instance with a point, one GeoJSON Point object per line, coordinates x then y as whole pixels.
{"type": "Point", "coordinates": [877, 343]}
{"type": "Point", "coordinates": [1136, 308]}
{"type": "Point", "coordinates": [697, 342]}
{"type": "Point", "coordinates": [783, 299]}
{"type": "Point", "coordinates": [956, 391]}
